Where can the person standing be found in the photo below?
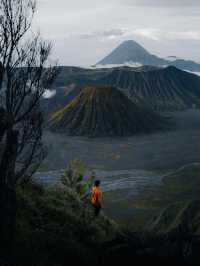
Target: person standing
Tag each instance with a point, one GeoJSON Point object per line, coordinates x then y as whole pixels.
{"type": "Point", "coordinates": [96, 197]}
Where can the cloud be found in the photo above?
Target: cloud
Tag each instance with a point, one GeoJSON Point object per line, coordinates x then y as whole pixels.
{"type": "Point", "coordinates": [96, 27]}
{"type": "Point", "coordinates": [165, 3]}
{"type": "Point", "coordinates": [49, 94]}
{"type": "Point", "coordinates": [110, 34]}
{"type": "Point", "coordinates": [158, 34]}
{"type": "Point", "coordinates": [185, 35]}
{"type": "Point", "coordinates": [149, 33]}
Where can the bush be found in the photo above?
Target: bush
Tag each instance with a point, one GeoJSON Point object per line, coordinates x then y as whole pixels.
{"type": "Point", "coordinates": [74, 178]}
{"type": "Point", "coordinates": [55, 225]}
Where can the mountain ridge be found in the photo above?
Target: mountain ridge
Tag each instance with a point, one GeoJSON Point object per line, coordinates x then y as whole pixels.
{"type": "Point", "coordinates": [163, 89]}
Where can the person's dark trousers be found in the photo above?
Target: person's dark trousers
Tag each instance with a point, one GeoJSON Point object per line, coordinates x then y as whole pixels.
{"type": "Point", "coordinates": [97, 209]}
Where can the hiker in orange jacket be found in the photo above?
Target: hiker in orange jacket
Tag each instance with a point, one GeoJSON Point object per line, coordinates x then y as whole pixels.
{"type": "Point", "coordinates": [96, 197]}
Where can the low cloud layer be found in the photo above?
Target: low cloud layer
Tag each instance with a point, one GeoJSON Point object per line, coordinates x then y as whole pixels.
{"type": "Point", "coordinates": [112, 33]}
{"type": "Point", "coordinates": [166, 3]}
{"type": "Point", "coordinates": [150, 33]}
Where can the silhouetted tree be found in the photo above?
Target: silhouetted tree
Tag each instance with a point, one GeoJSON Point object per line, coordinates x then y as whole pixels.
{"type": "Point", "coordinates": [24, 76]}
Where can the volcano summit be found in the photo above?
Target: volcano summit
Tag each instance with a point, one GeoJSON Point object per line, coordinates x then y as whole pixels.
{"type": "Point", "coordinates": [105, 111]}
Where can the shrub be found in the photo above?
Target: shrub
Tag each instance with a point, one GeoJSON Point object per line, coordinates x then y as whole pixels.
{"type": "Point", "coordinates": [74, 178]}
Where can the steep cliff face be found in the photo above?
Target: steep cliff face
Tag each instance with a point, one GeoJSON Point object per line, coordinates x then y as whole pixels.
{"type": "Point", "coordinates": [105, 111]}
{"type": "Point", "coordinates": [164, 89]}
{"type": "Point", "coordinates": [161, 88]}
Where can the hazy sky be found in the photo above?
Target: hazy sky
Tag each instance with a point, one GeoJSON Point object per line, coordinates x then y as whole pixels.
{"type": "Point", "coordinates": [84, 31]}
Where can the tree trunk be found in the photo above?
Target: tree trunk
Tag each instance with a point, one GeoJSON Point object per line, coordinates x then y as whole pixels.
{"type": "Point", "coordinates": [7, 224]}
{"type": "Point", "coordinates": [3, 122]}
{"type": "Point", "coordinates": [8, 197]}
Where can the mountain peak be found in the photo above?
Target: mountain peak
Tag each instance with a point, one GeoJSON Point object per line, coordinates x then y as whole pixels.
{"type": "Point", "coordinates": [105, 111]}
{"type": "Point", "coordinates": [131, 51]}
{"type": "Point", "coordinates": [131, 42]}
{"type": "Point", "coordinates": [133, 46]}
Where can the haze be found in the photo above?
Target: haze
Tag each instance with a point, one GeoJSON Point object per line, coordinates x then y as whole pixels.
{"type": "Point", "coordinates": [83, 32]}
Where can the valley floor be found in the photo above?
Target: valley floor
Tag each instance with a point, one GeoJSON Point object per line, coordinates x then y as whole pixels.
{"type": "Point", "coordinates": [130, 168]}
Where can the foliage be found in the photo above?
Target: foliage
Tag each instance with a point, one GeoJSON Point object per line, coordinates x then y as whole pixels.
{"type": "Point", "coordinates": [24, 78]}
{"type": "Point", "coordinates": [74, 178]}
{"type": "Point", "coordinates": [54, 226]}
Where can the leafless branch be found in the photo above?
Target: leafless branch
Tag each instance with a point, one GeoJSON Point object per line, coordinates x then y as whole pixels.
{"type": "Point", "coordinates": [24, 77]}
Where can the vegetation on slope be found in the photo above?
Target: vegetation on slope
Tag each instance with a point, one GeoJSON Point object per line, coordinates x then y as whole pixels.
{"type": "Point", "coordinates": [105, 111]}
{"type": "Point", "coordinates": [56, 226]}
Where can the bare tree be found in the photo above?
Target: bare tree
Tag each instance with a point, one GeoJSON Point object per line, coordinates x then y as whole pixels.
{"type": "Point", "coordinates": [24, 76]}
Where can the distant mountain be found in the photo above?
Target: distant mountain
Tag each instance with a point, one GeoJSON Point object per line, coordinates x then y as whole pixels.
{"type": "Point", "coordinates": [161, 88]}
{"type": "Point", "coordinates": [105, 111]}
{"type": "Point", "coordinates": [186, 65]}
{"type": "Point", "coordinates": [132, 52]}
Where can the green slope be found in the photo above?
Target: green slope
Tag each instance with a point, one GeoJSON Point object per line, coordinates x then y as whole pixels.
{"type": "Point", "coordinates": [105, 111]}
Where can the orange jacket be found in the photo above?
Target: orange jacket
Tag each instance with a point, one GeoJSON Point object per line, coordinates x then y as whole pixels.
{"type": "Point", "coordinates": [96, 195]}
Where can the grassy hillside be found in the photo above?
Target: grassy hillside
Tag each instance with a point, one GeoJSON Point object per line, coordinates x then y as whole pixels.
{"type": "Point", "coordinates": [55, 227]}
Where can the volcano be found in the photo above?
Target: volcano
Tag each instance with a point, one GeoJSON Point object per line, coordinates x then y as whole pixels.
{"type": "Point", "coordinates": [132, 52]}
{"type": "Point", "coordinates": [105, 111]}
{"type": "Point", "coordinates": [160, 88]}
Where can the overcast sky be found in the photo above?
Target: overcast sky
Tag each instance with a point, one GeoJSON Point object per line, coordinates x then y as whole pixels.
{"type": "Point", "coordinates": [84, 31]}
